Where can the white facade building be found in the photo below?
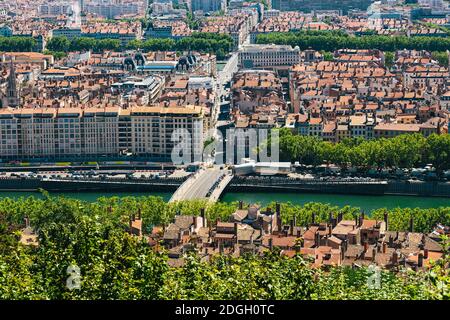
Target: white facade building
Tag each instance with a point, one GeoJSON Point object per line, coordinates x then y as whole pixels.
{"type": "Point", "coordinates": [68, 133]}
{"type": "Point", "coordinates": [268, 55]}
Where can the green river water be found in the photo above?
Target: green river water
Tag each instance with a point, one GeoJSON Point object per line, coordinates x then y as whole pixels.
{"type": "Point", "coordinates": [366, 203]}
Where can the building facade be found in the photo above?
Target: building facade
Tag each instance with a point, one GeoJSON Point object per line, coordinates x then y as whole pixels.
{"type": "Point", "coordinates": [308, 5]}
{"type": "Point", "coordinates": [208, 5]}
{"type": "Point", "coordinates": [268, 55]}
{"type": "Point", "coordinates": [69, 133]}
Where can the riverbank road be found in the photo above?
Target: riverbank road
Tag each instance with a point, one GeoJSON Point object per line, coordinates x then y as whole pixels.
{"type": "Point", "coordinates": [198, 185]}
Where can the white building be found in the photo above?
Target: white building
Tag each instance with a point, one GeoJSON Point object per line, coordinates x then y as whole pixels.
{"type": "Point", "coordinates": [111, 9]}
{"type": "Point", "coordinates": [149, 88]}
{"type": "Point", "coordinates": [268, 55]}
{"type": "Point", "coordinates": [55, 9]}
{"type": "Point", "coordinates": [208, 5]}
{"type": "Point", "coordinates": [68, 133]}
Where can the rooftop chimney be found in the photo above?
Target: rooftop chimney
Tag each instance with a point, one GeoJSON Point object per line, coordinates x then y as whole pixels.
{"type": "Point", "coordinates": [241, 205]}
{"type": "Point", "coordinates": [384, 247]}
{"type": "Point", "coordinates": [292, 227]}
{"type": "Point", "coordinates": [139, 214]}
{"type": "Point", "coordinates": [235, 229]}
{"type": "Point", "coordinates": [425, 253]}
{"type": "Point", "coordinates": [411, 225]}
{"type": "Point", "coordinates": [313, 218]}
{"type": "Point", "coordinates": [202, 214]}
{"type": "Point", "coordinates": [386, 218]}
{"type": "Point", "coordinates": [330, 229]}
{"type": "Point", "coordinates": [279, 222]}
{"type": "Point", "coordinates": [27, 222]}
{"type": "Point", "coordinates": [316, 239]}
{"type": "Point", "coordinates": [420, 260]}
{"type": "Point", "coordinates": [374, 253]}
{"type": "Point", "coordinates": [270, 243]}
{"type": "Point", "coordinates": [395, 257]}
{"type": "Point", "coordinates": [278, 208]}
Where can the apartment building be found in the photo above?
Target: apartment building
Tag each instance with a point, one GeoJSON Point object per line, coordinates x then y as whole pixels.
{"type": "Point", "coordinates": [112, 10]}
{"type": "Point", "coordinates": [268, 55]}
{"type": "Point", "coordinates": [152, 129]}
{"type": "Point", "coordinates": [254, 89]}
{"type": "Point", "coordinates": [361, 126]}
{"type": "Point", "coordinates": [425, 76]}
{"type": "Point", "coordinates": [238, 26]}
{"type": "Point", "coordinates": [148, 89]}
{"type": "Point", "coordinates": [122, 31]}
{"type": "Point", "coordinates": [308, 6]}
{"type": "Point", "coordinates": [69, 33]}
{"type": "Point", "coordinates": [208, 5]}
{"type": "Point", "coordinates": [66, 133]}
{"type": "Point", "coordinates": [390, 130]}
{"type": "Point", "coordinates": [55, 8]}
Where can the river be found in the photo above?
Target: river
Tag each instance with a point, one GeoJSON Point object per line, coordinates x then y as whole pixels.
{"type": "Point", "coordinates": [366, 203]}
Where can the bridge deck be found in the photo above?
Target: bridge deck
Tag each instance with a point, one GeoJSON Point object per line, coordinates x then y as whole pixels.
{"type": "Point", "coordinates": [202, 185]}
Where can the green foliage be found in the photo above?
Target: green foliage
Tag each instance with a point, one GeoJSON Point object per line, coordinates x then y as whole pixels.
{"type": "Point", "coordinates": [389, 59]}
{"type": "Point", "coordinates": [115, 265]}
{"type": "Point", "coordinates": [404, 151]}
{"type": "Point", "coordinates": [22, 44]}
{"type": "Point", "coordinates": [218, 44]}
{"type": "Point", "coordinates": [191, 21]}
{"type": "Point", "coordinates": [56, 54]}
{"type": "Point", "coordinates": [328, 56]}
{"type": "Point", "coordinates": [424, 219]}
{"type": "Point", "coordinates": [330, 41]}
{"type": "Point", "coordinates": [441, 57]}
{"type": "Point", "coordinates": [62, 44]}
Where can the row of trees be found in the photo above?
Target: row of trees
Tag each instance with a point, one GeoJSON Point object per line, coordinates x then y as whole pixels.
{"type": "Point", "coordinates": [331, 41]}
{"type": "Point", "coordinates": [63, 44]}
{"type": "Point", "coordinates": [218, 44]}
{"type": "Point", "coordinates": [403, 151]}
{"type": "Point", "coordinates": [155, 211]}
{"type": "Point", "coordinates": [115, 265]}
{"type": "Point", "coordinates": [22, 44]}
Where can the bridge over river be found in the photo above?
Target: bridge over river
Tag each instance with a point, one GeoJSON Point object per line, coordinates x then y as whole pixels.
{"type": "Point", "coordinates": [204, 184]}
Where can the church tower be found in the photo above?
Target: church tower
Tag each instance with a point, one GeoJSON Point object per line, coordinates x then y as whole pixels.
{"type": "Point", "coordinates": [12, 94]}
